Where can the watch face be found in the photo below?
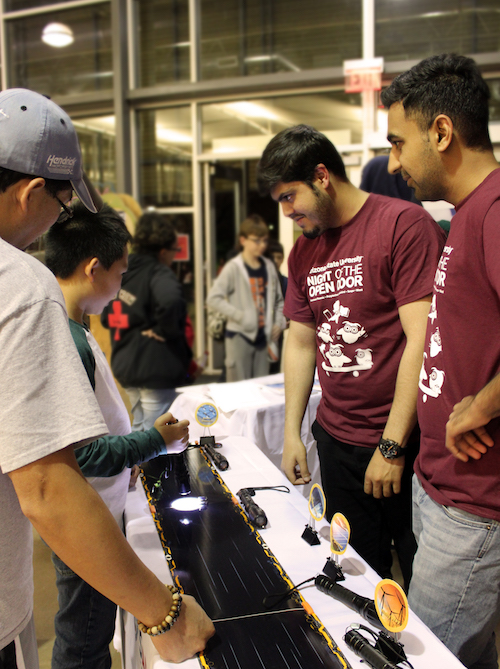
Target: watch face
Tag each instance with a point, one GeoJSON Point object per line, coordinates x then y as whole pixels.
{"type": "Point", "coordinates": [206, 414]}
{"type": "Point", "coordinates": [390, 449]}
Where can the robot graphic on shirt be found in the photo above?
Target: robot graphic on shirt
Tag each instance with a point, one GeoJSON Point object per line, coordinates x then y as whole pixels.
{"type": "Point", "coordinates": [333, 352]}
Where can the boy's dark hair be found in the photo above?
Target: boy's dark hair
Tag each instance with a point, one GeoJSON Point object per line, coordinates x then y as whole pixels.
{"type": "Point", "coordinates": [9, 177]}
{"type": "Point", "coordinates": [445, 84]}
{"type": "Point", "coordinates": [254, 225]}
{"type": "Point", "coordinates": [103, 236]}
{"type": "Point", "coordinates": [293, 154]}
{"type": "Point", "coordinates": [274, 246]}
{"type": "Point", "coordinates": [154, 232]}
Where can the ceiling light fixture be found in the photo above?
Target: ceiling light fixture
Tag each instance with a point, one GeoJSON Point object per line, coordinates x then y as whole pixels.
{"type": "Point", "coordinates": [57, 35]}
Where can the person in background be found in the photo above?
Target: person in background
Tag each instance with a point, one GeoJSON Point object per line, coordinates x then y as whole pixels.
{"type": "Point", "coordinates": [150, 355]}
{"type": "Point", "coordinates": [358, 296]}
{"type": "Point", "coordinates": [48, 408]}
{"type": "Point", "coordinates": [248, 293]}
{"type": "Point", "coordinates": [379, 176]}
{"type": "Point", "coordinates": [276, 252]}
{"type": "Point", "coordinates": [88, 255]}
{"type": "Point", "coordinates": [439, 132]}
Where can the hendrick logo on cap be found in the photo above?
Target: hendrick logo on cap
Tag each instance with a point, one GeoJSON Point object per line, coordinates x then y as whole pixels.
{"type": "Point", "coordinates": [60, 165]}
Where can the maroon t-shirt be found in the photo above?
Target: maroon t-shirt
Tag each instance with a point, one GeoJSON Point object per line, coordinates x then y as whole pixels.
{"type": "Point", "coordinates": [462, 353]}
{"type": "Point", "coordinates": [350, 282]}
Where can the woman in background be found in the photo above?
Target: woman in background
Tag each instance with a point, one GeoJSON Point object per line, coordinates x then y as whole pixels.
{"type": "Point", "coordinates": [150, 355]}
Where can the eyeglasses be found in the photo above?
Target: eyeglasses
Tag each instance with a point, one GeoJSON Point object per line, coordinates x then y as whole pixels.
{"type": "Point", "coordinates": [66, 212]}
{"type": "Point", "coordinates": [258, 240]}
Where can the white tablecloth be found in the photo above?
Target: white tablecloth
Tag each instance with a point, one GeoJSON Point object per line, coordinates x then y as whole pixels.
{"type": "Point", "coordinates": [259, 416]}
{"type": "Point", "coordinates": [288, 515]}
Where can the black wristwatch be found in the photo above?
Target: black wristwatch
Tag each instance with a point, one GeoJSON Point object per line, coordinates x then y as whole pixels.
{"type": "Point", "coordinates": [390, 449]}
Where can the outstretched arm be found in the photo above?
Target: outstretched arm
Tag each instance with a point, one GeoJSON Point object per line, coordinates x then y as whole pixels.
{"type": "Point", "coordinates": [110, 455]}
{"type": "Point", "coordinates": [300, 363]}
{"type": "Point", "coordinates": [383, 476]}
{"type": "Point", "coordinates": [76, 524]}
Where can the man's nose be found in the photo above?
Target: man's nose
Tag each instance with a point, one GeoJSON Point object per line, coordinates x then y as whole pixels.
{"type": "Point", "coordinates": [393, 166]}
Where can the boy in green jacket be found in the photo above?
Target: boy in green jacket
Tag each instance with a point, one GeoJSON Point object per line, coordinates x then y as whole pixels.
{"type": "Point", "coordinates": [88, 255]}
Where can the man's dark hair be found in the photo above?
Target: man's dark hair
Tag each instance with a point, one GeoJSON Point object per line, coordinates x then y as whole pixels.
{"type": "Point", "coordinates": [446, 84]}
{"type": "Point", "coordinates": [293, 154]}
{"type": "Point", "coordinates": [103, 236]}
{"type": "Point", "coordinates": [9, 177]}
{"type": "Point", "coordinates": [154, 232]}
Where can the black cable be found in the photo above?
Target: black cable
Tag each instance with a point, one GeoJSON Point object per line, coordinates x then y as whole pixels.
{"type": "Point", "coordinates": [283, 595]}
{"type": "Point", "coordinates": [278, 488]}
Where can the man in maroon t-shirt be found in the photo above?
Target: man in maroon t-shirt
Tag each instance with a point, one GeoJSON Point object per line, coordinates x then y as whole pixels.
{"type": "Point", "coordinates": [358, 297]}
{"type": "Point", "coordinates": [438, 128]}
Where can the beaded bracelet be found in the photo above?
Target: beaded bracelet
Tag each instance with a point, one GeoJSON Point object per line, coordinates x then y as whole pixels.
{"type": "Point", "coordinates": [169, 619]}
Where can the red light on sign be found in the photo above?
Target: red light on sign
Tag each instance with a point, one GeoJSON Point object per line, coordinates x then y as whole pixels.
{"type": "Point", "coordinates": [363, 75]}
{"type": "Point", "coordinates": [182, 254]}
{"type": "Point", "coordinates": [363, 80]}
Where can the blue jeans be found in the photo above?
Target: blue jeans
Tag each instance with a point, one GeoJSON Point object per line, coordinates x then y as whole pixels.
{"type": "Point", "coordinates": [148, 405]}
{"type": "Point", "coordinates": [84, 624]}
{"type": "Point", "coordinates": [455, 587]}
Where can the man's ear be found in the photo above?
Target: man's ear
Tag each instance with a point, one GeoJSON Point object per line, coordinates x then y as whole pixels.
{"type": "Point", "coordinates": [442, 131]}
{"type": "Point", "coordinates": [90, 267]}
{"type": "Point", "coordinates": [27, 188]}
{"type": "Point", "coordinates": [322, 174]}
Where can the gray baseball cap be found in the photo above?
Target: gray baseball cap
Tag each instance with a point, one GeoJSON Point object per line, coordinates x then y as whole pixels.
{"type": "Point", "coordinates": [38, 138]}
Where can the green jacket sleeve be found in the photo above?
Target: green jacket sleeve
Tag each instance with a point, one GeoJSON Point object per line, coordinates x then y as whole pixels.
{"type": "Point", "coordinates": [110, 455]}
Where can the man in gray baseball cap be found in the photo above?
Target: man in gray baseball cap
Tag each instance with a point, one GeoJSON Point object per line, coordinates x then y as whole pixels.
{"type": "Point", "coordinates": [47, 406]}
{"type": "Point", "coordinates": [38, 138]}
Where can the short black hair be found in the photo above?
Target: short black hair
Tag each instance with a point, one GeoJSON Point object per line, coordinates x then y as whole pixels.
{"type": "Point", "coordinates": [154, 232]}
{"type": "Point", "coordinates": [446, 84]}
{"type": "Point", "coordinates": [293, 154]}
{"type": "Point", "coordinates": [103, 236]}
{"type": "Point", "coordinates": [10, 177]}
{"type": "Point", "coordinates": [274, 246]}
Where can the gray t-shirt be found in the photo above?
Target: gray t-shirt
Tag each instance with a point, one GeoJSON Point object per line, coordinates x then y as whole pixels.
{"type": "Point", "coordinates": [46, 404]}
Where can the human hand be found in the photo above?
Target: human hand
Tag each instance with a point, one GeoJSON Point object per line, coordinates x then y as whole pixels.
{"type": "Point", "coordinates": [134, 475]}
{"type": "Point", "coordinates": [294, 462]}
{"type": "Point", "coordinates": [192, 629]}
{"type": "Point", "coordinates": [383, 476]}
{"type": "Point", "coordinates": [175, 433]}
{"type": "Point", "coordinates": [152, 335]}
{"type": "Point", "coordinates": [466, 435]}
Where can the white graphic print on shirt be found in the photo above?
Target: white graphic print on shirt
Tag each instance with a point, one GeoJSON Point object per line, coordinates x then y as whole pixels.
{"type": "Point", "coordinates": [337, 342]}
{"type": "Point", "coordinates": [431, 384]}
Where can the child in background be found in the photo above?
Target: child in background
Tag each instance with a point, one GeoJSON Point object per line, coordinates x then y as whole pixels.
{"type": "Point", "coordinates": [88, 255]}
{"type": "Point", "coordinates": [248, 293]}
{"type": "Point", "coordinates": [276, 252]}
